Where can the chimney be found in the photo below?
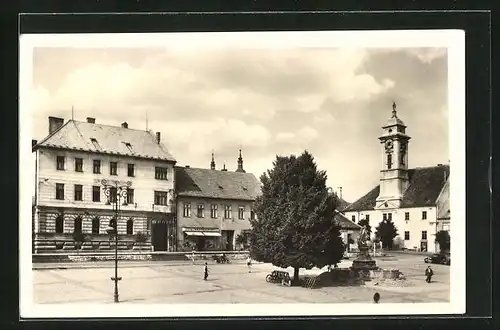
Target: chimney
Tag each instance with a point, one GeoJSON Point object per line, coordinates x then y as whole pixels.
{"type": "Point", "coordinates": [124, 125]}
{"type": "Point", "coordinates": [33, 143]}
{"type": "Point", "coordinates": [340, 192]}
{"type": "Point", "coordinates": [187, 166]}
{"type": "Point", "coordinates": [54, 124]}
{"type": "Point", "coordinates": [158, 137]}
{"type": "Point", "coordinates": [224, 169]}
{"type": "Point", "coordinates": [90, 120]}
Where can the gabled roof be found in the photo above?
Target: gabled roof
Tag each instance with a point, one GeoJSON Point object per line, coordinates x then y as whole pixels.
{"type": "Point", "coordinates": [97, 138]}
{"type": "Point", "coordinates": [207, 183]}
{"type": "Point", "coordinates": [443, 202]}
{"type": "Point", "coordinates": [423, 190]}
{"type": "Point", "coordinates": [345, 223]}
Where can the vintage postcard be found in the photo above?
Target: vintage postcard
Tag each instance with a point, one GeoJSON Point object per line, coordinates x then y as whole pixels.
{"type": "Point", "coordinates": [242, 174]}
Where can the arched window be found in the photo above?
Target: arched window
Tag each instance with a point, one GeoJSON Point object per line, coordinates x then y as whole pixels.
{"type": "Point", "coordinates": [130, 227]}
{"type": "Point", "coordinates": [95, 225]}
{"type": "Point", "coordinates": [78, 225]}
{"type": "Point", "coordinates": [60, 224]}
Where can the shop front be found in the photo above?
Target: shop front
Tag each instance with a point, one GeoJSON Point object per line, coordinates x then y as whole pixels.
{"type": "Point", "coordinates": [201, 239]}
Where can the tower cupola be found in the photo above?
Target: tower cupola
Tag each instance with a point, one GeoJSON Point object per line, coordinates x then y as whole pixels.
{"type": "Point", "coordinates": [240, 164]}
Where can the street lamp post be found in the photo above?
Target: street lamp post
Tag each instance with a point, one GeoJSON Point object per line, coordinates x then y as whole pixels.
{"type": "Point", "coordinates": [115, 192]}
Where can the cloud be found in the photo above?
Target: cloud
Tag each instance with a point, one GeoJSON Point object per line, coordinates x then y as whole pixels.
{"type": "Point", "coordinates": [285, 137]}
{"type": "Point", "coordinates": [323, 118]}
{"type": "Point", "coordinates": [427, 55]}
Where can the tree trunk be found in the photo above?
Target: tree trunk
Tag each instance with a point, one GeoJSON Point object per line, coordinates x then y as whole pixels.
{"type": "Point", "coordinates": [296, 274]}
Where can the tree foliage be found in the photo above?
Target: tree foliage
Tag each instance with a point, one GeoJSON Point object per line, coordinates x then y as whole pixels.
{"type": "Point", "coordinates": [443, 239]}
{"type": "Point", "coordinates": [294, 224]}
{"type": "Point", "coordinates": [365, 223]}
{"type": "Point", "coordinates": [243, 238]}
{"type": "Point", "coordinates": [386, 231]}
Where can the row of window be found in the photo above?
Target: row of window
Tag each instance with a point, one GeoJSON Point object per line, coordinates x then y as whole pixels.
{"type": "Point", "coordinates": [424, 235]}
{"type": "Point", "coordinates": [214, 209]}
{"type": "Point", "coordinates": [388, 216]}
{"type": "Point", "coordinates": [161, 173]}
{"type": "Point", "coordinates": [160, 197]}
{"type": "Point", "coordinates": [96, 224]}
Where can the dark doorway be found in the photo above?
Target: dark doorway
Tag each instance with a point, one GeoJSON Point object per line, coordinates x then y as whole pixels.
{"type": "Point", "coordinates": [423, 246]}
{"type": "Point", "coordinates": [229, 236]}
{"type": "Point", "coordinates": [200, 243]}
{"type": "Point", "coordinates": [159, 234]}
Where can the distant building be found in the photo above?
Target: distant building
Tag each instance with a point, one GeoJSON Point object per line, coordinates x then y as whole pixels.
{"type": "Point", "coordinates": [213, 206]}
{"type": "Point", "coordinates": [69, 198]}
{"type": "Point", "coordinates": [349, 231]}
{"type": "Point", "coordinates": [416, 200]}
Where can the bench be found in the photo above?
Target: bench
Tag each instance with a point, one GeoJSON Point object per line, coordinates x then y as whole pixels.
{"type": "Point", "coordinates": [310, 282]}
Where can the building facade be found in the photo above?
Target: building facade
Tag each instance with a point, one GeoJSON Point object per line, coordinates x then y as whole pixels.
{"type": "Point", "coordinates": [213, 206]}
{"type": "Point", "coordinates": [71, 163]}
{"type": "Point", "coordinates": [408, 197]}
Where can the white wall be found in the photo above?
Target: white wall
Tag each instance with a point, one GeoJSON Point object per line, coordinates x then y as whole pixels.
{"type": "Point", "coordinates": [415, 225]}
{"type": "Point", "coordinates": [143, 183]}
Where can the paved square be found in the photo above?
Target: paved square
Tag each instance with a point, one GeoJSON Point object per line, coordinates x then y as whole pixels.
{"type": "Point", "coordinates": [157, 282]}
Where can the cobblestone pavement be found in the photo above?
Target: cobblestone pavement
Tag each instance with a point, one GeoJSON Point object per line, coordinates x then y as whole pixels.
{"type": "Point", "coordinates": [157, 282]}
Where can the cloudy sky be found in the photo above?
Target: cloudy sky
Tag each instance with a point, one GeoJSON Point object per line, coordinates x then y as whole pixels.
{"type": "Point", "coordinates": [330, 101]}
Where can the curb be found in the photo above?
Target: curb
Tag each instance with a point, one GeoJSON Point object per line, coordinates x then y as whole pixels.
{"type": "Point", "coordinates": [120, 265]}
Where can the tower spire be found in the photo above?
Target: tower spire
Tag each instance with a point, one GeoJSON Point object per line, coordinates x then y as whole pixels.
{"type": "Point", "coordinates": [240, 164]}
{"type": "Point", "coordinates": [394, 112]}
{"type": "Point", "coordinates": [212, 163]}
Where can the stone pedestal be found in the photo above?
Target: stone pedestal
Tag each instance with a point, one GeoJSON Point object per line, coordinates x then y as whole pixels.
{"type": "Point", "coordinates": [363, 263]}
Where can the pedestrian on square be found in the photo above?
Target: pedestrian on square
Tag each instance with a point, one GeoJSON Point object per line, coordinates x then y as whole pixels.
{"type": "Point", "coordinates": [249, 264]}
{"type": "Point", "coordinates": [192, 255]}
{"type": "Point", "coordinates": [428, 274]}
{"type": "Point", "coordinates": [205, 271]}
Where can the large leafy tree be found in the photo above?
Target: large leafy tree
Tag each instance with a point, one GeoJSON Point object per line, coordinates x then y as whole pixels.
{"type": "Point", "coordinates": [443, 239]}
{"type": "Point", "coordinates": [294, 224]}
{"type": "Point", "coordinates": [386, 232]}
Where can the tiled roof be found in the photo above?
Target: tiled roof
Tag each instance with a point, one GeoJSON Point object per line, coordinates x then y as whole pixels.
{"type": "Point", "coordinates": [423, 189]}
{"type": "Point", "coordinates": [345, 223]}
{"type": "Point", "coordinates": [341, 203]}
{"type": "Point", "coordinates": [200, 182]}
{"type": "Point", "coordinates": [106, 139]}
{"type": "Point", "coordinates": [443, 202]}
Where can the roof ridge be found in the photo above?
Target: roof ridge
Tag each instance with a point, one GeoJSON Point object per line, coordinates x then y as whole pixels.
{"type": "Point", "coordinates": [107, 125]}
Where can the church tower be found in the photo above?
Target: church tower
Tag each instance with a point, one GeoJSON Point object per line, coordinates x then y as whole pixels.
{"type": "Point", "coordinates": [394, 172]}
{"type": "Point", "coordinates": [240, 164]}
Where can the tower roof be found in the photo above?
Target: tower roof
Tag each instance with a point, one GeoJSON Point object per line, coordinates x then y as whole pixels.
{"type": "Point", "coordinates": [394, 120]}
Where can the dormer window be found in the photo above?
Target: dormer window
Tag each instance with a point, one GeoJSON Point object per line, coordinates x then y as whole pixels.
{"type": "Point", "coordinates": [129, 146]}
{"type": "Point", "coordinates": [95, 143]}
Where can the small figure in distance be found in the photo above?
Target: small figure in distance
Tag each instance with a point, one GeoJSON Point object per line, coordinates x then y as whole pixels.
{"type": "Point", "coordinates": [376, 297]}
{"type": "Point", "coordinates": [205, 271]}
{"type": "Point", "coordinates": [428, 274]}
{"type": "Point", "coordinates": [249, 264]}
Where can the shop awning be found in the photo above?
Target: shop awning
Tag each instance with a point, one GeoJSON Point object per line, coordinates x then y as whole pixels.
{"type": "Point", "coordinates": [202, 233]}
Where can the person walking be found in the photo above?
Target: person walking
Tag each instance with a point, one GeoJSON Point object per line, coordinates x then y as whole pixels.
{"type": "Point", "coordinates": [249, 264]}
{"type": "Point", "coordinates": [205, 272]}
{"type": "Point", "coordinates": [428, 274]}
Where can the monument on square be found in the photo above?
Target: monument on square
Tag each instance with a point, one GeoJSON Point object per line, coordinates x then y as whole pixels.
{"type": "Point", "coordinates": [363, 262]}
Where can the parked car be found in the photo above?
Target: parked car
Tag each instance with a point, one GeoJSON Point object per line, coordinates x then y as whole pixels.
{"type": "Point", "coordinates": [438, 258]}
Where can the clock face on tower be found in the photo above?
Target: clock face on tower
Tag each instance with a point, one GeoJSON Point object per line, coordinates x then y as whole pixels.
{"type": "Point", "coordinates": [388, 145]}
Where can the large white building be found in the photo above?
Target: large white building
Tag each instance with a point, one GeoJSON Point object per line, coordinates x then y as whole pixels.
{"type": "Point", "coordinates": [416, 200]}
{"type": "Point", "coordinates": [70, 199]}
